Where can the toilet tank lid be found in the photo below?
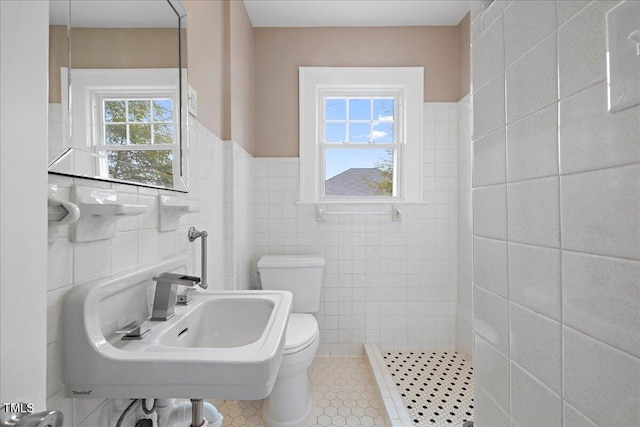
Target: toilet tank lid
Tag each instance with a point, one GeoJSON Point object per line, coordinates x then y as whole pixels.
{"type": "Point", "coordinates": [295, 261]}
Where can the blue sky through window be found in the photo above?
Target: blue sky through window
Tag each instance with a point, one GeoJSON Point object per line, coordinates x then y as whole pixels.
{"type": "Point", "coordinates": [336, 109]}
{"type": "Point", "coordinates": [360, 109]}
{"type": "Point", "coordinates": [369, 120]}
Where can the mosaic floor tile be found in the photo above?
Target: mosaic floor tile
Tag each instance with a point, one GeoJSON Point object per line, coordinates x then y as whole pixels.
{"type": "Point", "coordinates": [436, 387]}
{"type": "Point", "coordinates": [344, 394]}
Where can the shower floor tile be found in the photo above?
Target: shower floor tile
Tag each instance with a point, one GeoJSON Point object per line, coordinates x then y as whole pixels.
{"type": "Point", "coordinates": [436, 387]}
{"type": "Point", "coordinates": [344, 394]}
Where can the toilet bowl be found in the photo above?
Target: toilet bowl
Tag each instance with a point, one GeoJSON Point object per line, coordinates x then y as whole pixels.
{"type": "Point", "coordinates": [290, 401]}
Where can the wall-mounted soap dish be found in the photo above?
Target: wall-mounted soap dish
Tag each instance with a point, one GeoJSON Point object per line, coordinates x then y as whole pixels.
{"type": "Point", "coordinates": [99, 213]}
{"type": "Point", "coordinates": [59, 212]}
{"type": "Point", "coordinates": [170, 210]}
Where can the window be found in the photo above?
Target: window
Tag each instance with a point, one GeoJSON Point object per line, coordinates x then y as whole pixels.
{"type": "Point", "coordinates": [136, 139]}
{"type": "Point", "coordinates": [125, 125]}
{"type": "Point", "coordinates": [359, 146]}
{"type": "Point", "coordinates": [360, 134]}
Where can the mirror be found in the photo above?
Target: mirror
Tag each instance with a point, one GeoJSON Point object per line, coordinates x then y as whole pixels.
{"type": "Point", "coordinates": [117, 91]}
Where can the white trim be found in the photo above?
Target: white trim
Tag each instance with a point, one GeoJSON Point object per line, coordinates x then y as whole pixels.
{"type": "Point", "coordinates": [317, 81]}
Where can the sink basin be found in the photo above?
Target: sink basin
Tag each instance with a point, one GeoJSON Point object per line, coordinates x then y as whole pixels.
{"type": "Point", "coordinates": [223, 345]}
{"type": "Point", "coordinates": [227, 321]}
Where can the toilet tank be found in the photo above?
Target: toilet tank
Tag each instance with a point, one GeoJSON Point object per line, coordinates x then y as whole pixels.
{"type": "Point", "coordinates": [299, 274]}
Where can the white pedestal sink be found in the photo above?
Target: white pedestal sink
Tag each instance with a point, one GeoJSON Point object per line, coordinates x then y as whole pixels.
{"type": "Point", "coordinates": [223, 345]}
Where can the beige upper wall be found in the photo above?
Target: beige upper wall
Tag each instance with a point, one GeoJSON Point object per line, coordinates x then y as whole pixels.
{"type": "Point", "coordinates": [241, 82]}
{"type": "Point", "coordinates": [58, 57]}
{"type": "Point", "coordinates": [124, 48]}
{"type": "Point", "coordinates": [280, 51]}
{"type": "Point", "coordinates": [464, 56]}
{"type": "Point", "coordinates": [205, 38]}
{"type": "Point", "coordinates": [247, 79]}
{"type": "Point", "coordinates": [109, 48]}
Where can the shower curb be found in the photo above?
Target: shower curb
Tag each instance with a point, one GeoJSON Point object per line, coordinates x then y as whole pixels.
{"type": "Point", "coordinates": [396, 414]}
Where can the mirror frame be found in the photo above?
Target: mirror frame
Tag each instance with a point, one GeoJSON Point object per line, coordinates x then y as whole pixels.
{"type": "Point", "coordinates": [181, 183]}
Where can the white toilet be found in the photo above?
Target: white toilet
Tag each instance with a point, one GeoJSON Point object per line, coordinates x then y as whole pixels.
{"type": "Point", "coordinates": [289, 404]}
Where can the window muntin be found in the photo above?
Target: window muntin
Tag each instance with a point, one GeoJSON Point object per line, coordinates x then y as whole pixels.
{"type": "Point", "coordinates": [359, 119]}
{"type": "Point", "coordinates": [360, 146]}
{"type": "Point", "coordinates": [137, 121]}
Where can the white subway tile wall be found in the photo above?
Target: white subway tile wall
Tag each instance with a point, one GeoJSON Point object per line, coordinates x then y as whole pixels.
{"type": "Point", "coordinates": [240, 192]}
{"type": "Point", "coordinates": [561, 345]}
{"type": "Point", "coordinates": [386, 283]}
{"type": "Point", "coordinates": [137, 241]}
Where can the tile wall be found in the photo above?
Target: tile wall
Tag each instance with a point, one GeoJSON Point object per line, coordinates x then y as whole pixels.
{"type": "Point", "coordinates": [138, 241]}
{"type": "Point", "coordinates": [240, 193]}
{"type": "Point", "coordinates": [464, 324]}
{"type": "Point", "coordinates": [556, 198]}
{"type": "Point", "coordinates": [387, 283]}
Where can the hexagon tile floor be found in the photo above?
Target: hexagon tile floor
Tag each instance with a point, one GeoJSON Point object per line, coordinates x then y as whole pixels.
{"type": "Point", "coordinates": [344, 394]}
{"type": "Point", "coordinates": [436, 387]}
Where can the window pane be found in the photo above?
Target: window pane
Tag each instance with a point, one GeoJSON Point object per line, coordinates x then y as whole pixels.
{"type": "Point", "coordinates": [115, 134]}
{"type": "Point", "coordinates": [335, 109]}
{"type": "Point", "coordinates": [359, 132]}
{"type": "Point", "coordinates": [335, 132]}
{"type": "Point", "coordinates": [382, 132]}
{"type": "Point", "coordinates": [163, 134]}
{"type": "Point", "coordinates": [383, 109]}
{"type": "Point", "coordinates": [139, 111]}
{"type": "Point", "coordinates": [359, 172]}
{"type": "Point", "coordinates": [162, 110]}
{"type": "Point", "coordinates": [114, 111]}
{"type": "Point", "coordinates": [150, 167]}
{"type": "Point", "coordinates": [140, 134]}
{"type": "Point", "coordinates": [359, 109]}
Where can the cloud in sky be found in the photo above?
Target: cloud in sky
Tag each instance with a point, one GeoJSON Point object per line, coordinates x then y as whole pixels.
{"type": "Point", "coordinates": [377, 134]}
{"type": "Point", "coordinates": [385, 118]}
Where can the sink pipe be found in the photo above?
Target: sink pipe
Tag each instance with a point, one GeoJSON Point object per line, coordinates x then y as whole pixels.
{"type": "Point", "coordinates": [170, 414]}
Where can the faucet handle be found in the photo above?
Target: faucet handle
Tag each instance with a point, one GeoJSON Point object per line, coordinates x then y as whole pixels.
{"type": "Point", "coordinates": [186, 297]}
{"type": "Point", "coordinates": [135, 330]}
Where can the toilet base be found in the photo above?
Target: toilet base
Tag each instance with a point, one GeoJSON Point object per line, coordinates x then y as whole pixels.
{"type": "Point", "coordinates": [284, 410]}
{"type": "Point", "coordinates": [290, 401]}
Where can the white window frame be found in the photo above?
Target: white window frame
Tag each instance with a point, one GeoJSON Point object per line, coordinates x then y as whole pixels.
{"type": "Point", "coordinates": [406, 83]}
{"type": "Point", "coordinates": [91, 86]}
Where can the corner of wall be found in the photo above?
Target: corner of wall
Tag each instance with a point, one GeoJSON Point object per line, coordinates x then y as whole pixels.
{"type": "Point", "coordinates": [23, 152]}
{"type": "Point", "coordinates": [464, 56]}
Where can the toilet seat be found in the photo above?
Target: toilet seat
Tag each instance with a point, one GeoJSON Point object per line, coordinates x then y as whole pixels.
{"type": "Point", "coordinates": [302, 331]}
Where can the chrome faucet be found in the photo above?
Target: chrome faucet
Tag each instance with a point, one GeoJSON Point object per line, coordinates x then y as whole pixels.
{"type": "Point", "coordinates": [164, 302]}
